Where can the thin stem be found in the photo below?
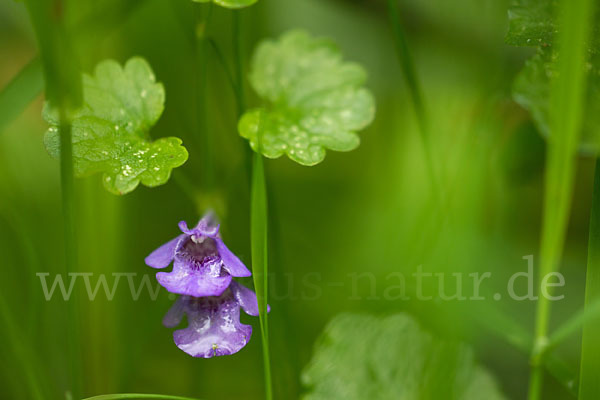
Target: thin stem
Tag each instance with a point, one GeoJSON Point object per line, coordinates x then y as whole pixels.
{"type": "Point", "coordinates": [589, 385]}
{"type": "Point", "coordinates": [258, 225]}
{"type": "Point", "coordinates": [223, 62]}
{"type": "Point", "coordinates": [238, 63]}
{"type": "Point", "coordinates": [201, 48]}
{"type": "Point", "coordinates": [566, 106]}
{"type": "Point", "coordinates": [238, 83]}
{"type": "Point", "coordinates": [68, 210]}
{"type": "Point", "coordinates": [414, 88]}
{"type": "Point", "coordinates": [258, 217]}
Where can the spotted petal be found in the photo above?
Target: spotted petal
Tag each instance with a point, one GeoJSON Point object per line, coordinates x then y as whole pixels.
{"type": "Point", "coordinates": [185, 279]}
{"type": "Point", "coordinates": [214, 327]}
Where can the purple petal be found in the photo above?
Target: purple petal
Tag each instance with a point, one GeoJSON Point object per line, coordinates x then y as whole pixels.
{"type": "Point", "coordinates": [246, 298]}
{"type": "Point", "coordinates": [184, 228]}
{"type": "Point", "coordinates": [232, 264]}
{"type": "Point", "coordinates": [207, 226]}
{"type": "Point", "coordinates": [184, 279]}
{"type": "Point", "coordinates": [214, 327]}
{"type": "Point", "coordinates": [174, 316]}
{"type": "Point", "coordinates": [162, 257]}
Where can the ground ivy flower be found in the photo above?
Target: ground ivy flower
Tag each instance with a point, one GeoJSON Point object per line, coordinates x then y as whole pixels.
{"type": "Point", "coordinates": [214, 327]}
{"type": "Point", "coordinates": [202, 264]}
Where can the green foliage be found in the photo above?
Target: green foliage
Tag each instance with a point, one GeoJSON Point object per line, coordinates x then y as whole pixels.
{"type": "Point", "coordinates": [366, 357]}
{"type": "Point", "coordinates": [229, 3]}
{"type": "Point", "coordinates": [534, 23]}
{"type": "Point", "coordinates": [110, 132]}
{"type": "Point", "coordinates": [314, 99]}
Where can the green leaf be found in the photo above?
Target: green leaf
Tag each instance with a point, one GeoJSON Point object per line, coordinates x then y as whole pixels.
{"type": "Point", "coordinates": [110, 132]}
{"type": "Point", "coordinates": [314, 100]}
{"type": "Point", "coordinates": [229, 3]}
{"type": "Point", "coordinates": [532, 91]}
{"type": "Point", "coordinates": [366, 357]}
{"type": "Point", "coordinates": [533, 23]}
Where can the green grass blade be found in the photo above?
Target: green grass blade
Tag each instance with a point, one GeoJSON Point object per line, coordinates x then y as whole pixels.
{"type": "Point", "coordinates": [62, 82]}
{"type": "Point", "coordinates": [414, 88]}
{"type": "Point", "coordinates": [573, 324]}
{"type": "Point", "coordinates": [140, 396]}
{"type": "Point", "coordinates": [258, 226]}
{"type": "Point", "coordinates": [589, 384]}
{"type": "Point", "coordinates": [201, 57]}
{"type": "Point", "coordinates": [21, 91]}
{"type": "Point", "coordinates": [505, 327]}
{"type": "Point", "coordinates": [566, 113]}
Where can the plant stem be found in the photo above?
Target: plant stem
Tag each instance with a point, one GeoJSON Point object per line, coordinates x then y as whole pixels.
{"type": "Point", "coordinates": [258, 215]}
{"type": "Point", "coordinates": [589, 385]}
{"type": "Point", "coordinates": [238, 64]}
{"type": "Point", "coordinates": [201, 48]}
{"type": "Point", "coordinates": [566, 107]}
{"type": "Point", "coordinates": [258, 223]}
{"type": "Point", "coordinates": [68, 210]}
{"type": "Point", "coordinates": [414, 88]}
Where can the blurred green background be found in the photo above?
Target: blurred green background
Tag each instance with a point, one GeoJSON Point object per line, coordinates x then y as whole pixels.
{"type": "Point", "coordinates": [369, 210]}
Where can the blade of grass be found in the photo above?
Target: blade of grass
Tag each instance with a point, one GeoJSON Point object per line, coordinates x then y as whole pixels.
{"type": "Point", "coordinates": [20, 91]}
{"type": "Point", "coordinates": [238, 64]}
{"type": "Point", "coordinates": [140, 396]}
{"type": "Point", "coordinates": [508, 329]}
{"type": "Point", "coordinates": [258, 213]}
{"type": "Point", "coordinates": [416, 94]}
{"type": "Point", "coordinates": [566, 106]}
{"type": "Point", "coordinates": [573, 324]}
{"type": "Point", "coordinates": [589, 384]}
{"type": "Point", "coordinates": [258, 226]}
{"type": "Point", "coordinates": [62, 80]}
{"type": "Point", "coordinates": [203, 13]}
{"type": "Point", "coordinates": [29, 82]}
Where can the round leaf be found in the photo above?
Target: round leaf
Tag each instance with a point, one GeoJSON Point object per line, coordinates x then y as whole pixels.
{"type": "Point", "coordinates": [313, 99]}
{"type": "Point", "coordinates": [110, 132]}
{"type": "Point", "coordinates": [364, 357]}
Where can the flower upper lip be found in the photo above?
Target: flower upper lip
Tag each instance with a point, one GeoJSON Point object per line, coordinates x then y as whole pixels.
{"type": "Point", "coordinates": [203, 264]}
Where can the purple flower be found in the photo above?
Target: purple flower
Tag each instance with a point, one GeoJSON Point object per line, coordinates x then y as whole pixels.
{"type": "Point", "coordinates": [214, 327]}
{"type": "Point", "coordinates": [202, 264]}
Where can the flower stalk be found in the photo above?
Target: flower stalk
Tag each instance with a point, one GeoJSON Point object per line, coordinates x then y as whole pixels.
{"type": "Point", "coordinates": [566, 106]}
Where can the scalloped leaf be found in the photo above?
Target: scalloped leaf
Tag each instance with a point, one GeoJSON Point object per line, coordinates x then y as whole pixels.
{"type": "Point", "coordinates": [364, 357]}
{"type": "Point", "coordinates": [313, 99]}
{"type": "Point", "coordinates": [533, 23]}
{"type": "Point", "coordinates": [229, 3]}
{"type": "Point", "coordinates": [110, 132]}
